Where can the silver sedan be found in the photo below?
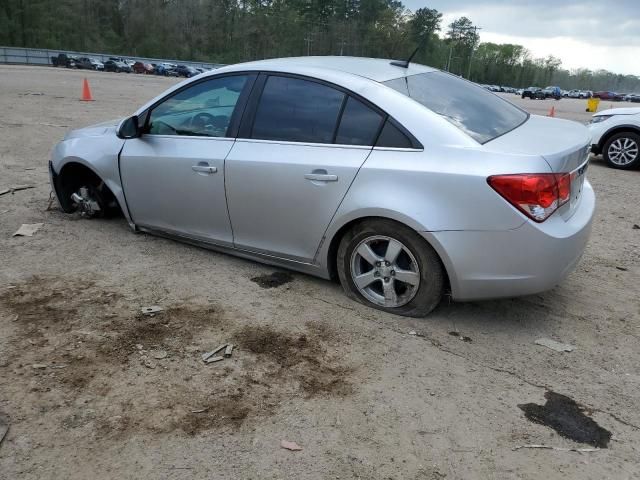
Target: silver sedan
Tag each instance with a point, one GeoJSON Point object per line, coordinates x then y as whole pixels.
{"type": "Point", "coordinates": [401, 181]}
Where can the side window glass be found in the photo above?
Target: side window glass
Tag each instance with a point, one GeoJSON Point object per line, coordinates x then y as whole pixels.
{"type": "Point", "coordinates": [295, 110]}
{"type": "Point", "coordinates": [205, 109]}
{"type": "Point", "coordinates": [391, 136]}
{"type": "Point", "coordinates": [359, 124]}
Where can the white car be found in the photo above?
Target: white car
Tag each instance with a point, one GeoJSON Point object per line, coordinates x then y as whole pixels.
{"type": "Point", "coordinates": [615, 133]}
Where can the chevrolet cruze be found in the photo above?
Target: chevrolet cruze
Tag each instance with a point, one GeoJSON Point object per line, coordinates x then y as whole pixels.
{"type": "Point", "coordinates": [400, 180]}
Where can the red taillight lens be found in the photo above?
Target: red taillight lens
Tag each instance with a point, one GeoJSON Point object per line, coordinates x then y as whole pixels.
{"type": "Point", "coordinates": [537, 195]}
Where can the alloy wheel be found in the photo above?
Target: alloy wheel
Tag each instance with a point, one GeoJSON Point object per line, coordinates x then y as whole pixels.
{"type": "Point", "coordinates": [623, 151]}
{"type": "Point", "coordinates": [385, 271]}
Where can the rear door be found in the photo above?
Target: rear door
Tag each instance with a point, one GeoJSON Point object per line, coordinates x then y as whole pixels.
{"type": "Point", "coordinates": [300, 147]}
{"type": "Point", "coordinates": [173, 175]}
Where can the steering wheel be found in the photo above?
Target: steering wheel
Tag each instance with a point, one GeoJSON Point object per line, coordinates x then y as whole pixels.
{"type": "Point", "coordinates": [203, 122]}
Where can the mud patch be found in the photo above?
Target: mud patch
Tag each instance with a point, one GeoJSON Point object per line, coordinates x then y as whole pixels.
{"type": "Point", "coordinates": [273, 280]}
{"type": "Point", "coordinates": [46, 301]}
{"type": "Point", "coordinates": [301, 358]}
{"type": "Point", "coordinates": [568, 418]}
{"type": "Point", "coordinates": [170, 330]}
{"type": "Point", "coordinates": [96, 346]}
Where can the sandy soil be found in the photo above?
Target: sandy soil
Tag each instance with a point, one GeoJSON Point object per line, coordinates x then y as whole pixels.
{"type": "Point", "coordinates": [94, 389]}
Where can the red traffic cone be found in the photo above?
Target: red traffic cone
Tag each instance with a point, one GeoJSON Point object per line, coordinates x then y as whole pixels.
{"type": "Point", "coordinates": [86, 92]}
{"type": "Point", "coordinates": [552, 112]}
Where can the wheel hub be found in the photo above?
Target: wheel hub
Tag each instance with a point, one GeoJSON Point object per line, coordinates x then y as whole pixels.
{"type": "Point", "coordinates": [385, 271]}
{"type": "Point", "coordinates": [87, 205]}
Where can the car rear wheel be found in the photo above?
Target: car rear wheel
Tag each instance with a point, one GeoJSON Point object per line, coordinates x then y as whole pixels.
{"type": "Point", "coordinates": [390, 267]}
{"type": "Point", "coordinates": [623, 151]}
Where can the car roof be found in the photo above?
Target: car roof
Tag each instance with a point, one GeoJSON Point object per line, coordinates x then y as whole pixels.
{"type": "Point", "coordinates": [376, 69]}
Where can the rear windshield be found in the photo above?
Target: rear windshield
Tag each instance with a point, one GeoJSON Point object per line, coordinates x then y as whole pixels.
{"type": "Point", "coordinates": [476, 111]}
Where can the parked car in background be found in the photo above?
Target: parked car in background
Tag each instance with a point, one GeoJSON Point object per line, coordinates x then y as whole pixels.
{"type": "Point", "coordinates": [632, 97]}
{"type": "Point", "coordinates": [608, 95]}
{"type": "Point", "coordinates": [166, 69]}
{"type": "Point", "coordinates": [329, 165]}
{"type": "Point", "coordinates": [615, 133]}
{"type": "Point", "coordinates": [186, 71]}
{"type": "Point", "coordinates": [117, 66]}
{"type": "Point", "coordinates": [533, 93]}
{"type": "Point", "coordinates": [88, 63]}
{"type": "Point", "coordinates": [141, 67]}
{"type": "Point", "coordinates": [579, 93]}
{"type": "Point", "coordinates": [64, 60]}
{"type": "Point", "coordinates": [552, 92]}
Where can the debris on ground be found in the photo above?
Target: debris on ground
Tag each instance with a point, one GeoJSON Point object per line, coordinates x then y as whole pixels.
{"type": "Point", "coordinates": [560, 449]}
{"type": "Point", "coordinates": [39, 366]}
{"type": "Point", "coordinates": [149, 364]}
{"type": "Point", "coordinates": [567, 417]}
{"type": "Point", "coordinates": [460, 337]}
{"type": "Point", "coordinates": [4, 425]}
{"type": "Point", "coordinates": [201, 410]}
{"type": "Point", "coordinates": [636, 226]}
{"type": "Point", "coordinates": [553, 345]}
{"type": "Point", "coordinates": [273, 280]}
{"type": "Point", "coordinates": [27, 229]}
{"type": "Point", "coordinates": [208, 355]}
{"type": "Point", "coordinates": [15, 188]}
{"type": "Point", "coordinates": [214, 359]}
{"type": "Point", "coordinates": [622, 269]}
{"type": "Point", "coordinates": [151, 310]}
{"type": "Point", "coordinates": [228, 350]}
{"type": "Point", "coordinates": [159, 354]}
{"type": "Point", "coordinates": [290, 445]}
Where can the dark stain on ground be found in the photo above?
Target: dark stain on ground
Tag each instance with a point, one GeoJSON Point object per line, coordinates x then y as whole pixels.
{"type": "Point", "coordinates": [568, 418]}
{"type": "Point", "coordinates": [461, 337]}
{"type": "Point", "coordinates": [298, 356]}
{"type": "Point", "coordinates": [273, 280]}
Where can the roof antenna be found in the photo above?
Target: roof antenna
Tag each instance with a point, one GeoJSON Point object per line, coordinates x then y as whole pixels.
{"type": "Point", "coordinates": [405, 63]}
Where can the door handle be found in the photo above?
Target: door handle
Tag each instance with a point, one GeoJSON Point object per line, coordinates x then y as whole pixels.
{"type": "Point", "coordinates": [321, 177]}
{"type": "Point", "coordinates": [204, 169]}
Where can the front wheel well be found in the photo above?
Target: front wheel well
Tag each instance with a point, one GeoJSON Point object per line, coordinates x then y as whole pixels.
{"type": "Point", "coordinates": [332, 255]}
{"type": "Point", "coordinates": [74, 175]}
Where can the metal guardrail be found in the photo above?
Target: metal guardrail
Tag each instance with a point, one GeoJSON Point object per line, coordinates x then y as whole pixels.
{"type": "Point", "coordinates": [35, 56]}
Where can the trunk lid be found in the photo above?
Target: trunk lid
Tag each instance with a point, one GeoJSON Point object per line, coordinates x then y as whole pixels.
{"type": "Point", "coordinates": [563, 144]}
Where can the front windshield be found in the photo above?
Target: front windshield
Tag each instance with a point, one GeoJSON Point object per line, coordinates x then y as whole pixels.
{"type": "Point", "coordinates": [479, 113]}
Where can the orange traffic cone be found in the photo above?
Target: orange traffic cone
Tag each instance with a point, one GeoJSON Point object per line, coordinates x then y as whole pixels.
{"type": "Point", "coordinates": [86, 92]}
{"type": "Point", "coordinates": [552, 112]}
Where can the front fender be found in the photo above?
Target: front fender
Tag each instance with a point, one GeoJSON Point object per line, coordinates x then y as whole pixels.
{"type": "Point", "coordinates": [97, 153]}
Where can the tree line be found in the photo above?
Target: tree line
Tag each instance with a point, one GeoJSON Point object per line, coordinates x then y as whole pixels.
{"type": "Point", "coordinates": [229, 31]}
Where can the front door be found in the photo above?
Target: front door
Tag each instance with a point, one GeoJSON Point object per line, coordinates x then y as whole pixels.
{"type": "Point", "coordinates": [173, 175]}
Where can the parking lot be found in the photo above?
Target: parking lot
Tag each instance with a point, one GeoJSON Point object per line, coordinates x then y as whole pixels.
{"type": "Point", "coordinates": [95, 389]}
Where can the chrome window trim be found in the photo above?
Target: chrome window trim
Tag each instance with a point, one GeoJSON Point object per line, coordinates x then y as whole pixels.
{"type": "Point", "coordinates": [305, 144]}
{"type": "Point", "coordinates": [398, 149]}
{"type": "Point", "coordinates": [193, 137]}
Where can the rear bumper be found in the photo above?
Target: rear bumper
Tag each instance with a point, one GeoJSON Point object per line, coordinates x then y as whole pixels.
{"type": "Point", "coordinates": [529, 259]}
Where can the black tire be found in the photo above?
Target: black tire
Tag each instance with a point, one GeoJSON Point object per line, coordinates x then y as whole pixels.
{"type": "Point", "coordinates": [635, 138]}
{"type": "Point", "coordinates": [432, 275]}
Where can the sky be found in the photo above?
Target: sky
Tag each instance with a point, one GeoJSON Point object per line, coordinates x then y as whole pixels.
{"type": "Point", "coordinates": [590, 34]}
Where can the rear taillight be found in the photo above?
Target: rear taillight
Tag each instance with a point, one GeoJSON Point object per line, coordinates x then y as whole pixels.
{"type": "Point", "coordinates": [537, 195]}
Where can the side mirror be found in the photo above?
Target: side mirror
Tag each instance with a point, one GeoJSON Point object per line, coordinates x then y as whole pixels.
{"type": "Point", "coordinates": [129, 128]}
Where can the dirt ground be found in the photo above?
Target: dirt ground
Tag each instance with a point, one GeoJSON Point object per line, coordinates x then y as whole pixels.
{"type": "Point", "coordinates": [94, 389]}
